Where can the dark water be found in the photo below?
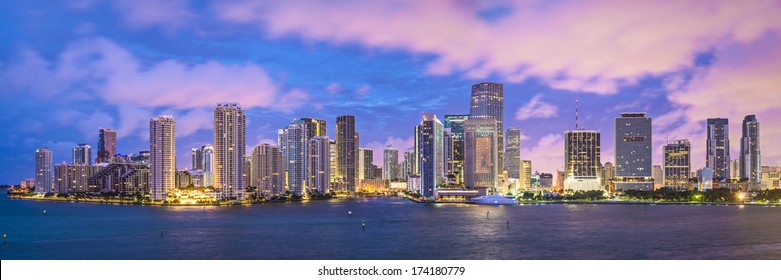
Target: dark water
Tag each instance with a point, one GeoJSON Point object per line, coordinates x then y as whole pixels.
{"type": "Point", "coordinates": [395, 229]}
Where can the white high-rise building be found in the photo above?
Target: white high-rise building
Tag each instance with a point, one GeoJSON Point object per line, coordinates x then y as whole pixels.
{"type": "Point", "coordinates": [207, 153]}
{"type": "Point", "coordinates": [43, 171]}
{"type": "Point", "coordinates": [390, 162]}
{"type": "Point", "coordinates": [229, 149]}
{"type": "Point", "coordinates": [162, 156]}
{"type": "Point", "coordinates": [319, 164]}
{"type": "Point", "coordinates": [82, 154]}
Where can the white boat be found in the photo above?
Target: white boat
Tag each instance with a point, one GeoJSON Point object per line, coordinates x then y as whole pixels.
{"type": "Point", "coordinates": [494, 199]}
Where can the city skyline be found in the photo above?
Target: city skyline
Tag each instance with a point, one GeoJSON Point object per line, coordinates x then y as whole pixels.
{"type": "Point", "coordinates": [112, 68]}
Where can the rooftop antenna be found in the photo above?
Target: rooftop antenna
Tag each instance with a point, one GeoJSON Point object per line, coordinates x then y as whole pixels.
{"type": "Point", "coordinates": [576, 114]}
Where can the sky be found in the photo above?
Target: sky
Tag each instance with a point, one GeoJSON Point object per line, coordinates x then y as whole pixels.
{"type": "Point", "coordinates": [68, 68]}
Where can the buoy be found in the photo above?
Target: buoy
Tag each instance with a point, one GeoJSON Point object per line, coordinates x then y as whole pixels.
{"type": "Point", "coordinates": [4, 238]}
{"type": "Point", "coordinates": [349, 213]}
{"type": "Point", "coordinates": [44, 212]}
{"type": "Point", "coordinates": [363, 225]}
{"type": "Point", "coordinates": [162, 231]}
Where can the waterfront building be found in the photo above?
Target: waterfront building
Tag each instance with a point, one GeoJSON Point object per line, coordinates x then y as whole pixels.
{"type": "Point", "coordinates": [734, 170]}
{"type": "Point", "coordinates": [582, 156]}
{"type": "Point", "coordinates": [162, 160]}
{"type": "Point", "coordinates": [512, 152]}
{"type": "Point", "coordinates": [314, 127]}
{"type": "Point", "coordinates": [413, 183]}
{"type": "Point", "coordinates": [447, 149]}
{"type": "Point", "coordinates": [28, 184]}
{"type": "Point", "coordinates": [347, 143]}
{"type": "Point", "coordinates": [487, 102]}
{"type": "Point", "coordinates": [456, 125]}
{"type": "Point", "coordinates": [82, 154]}
{"type": "Point", "coordinates": [319, 164]}
{"type": "Point", "coordinates": [125, 178]}
{"type": "Point", "coordinates": [229, 149]}
{"type": "Point", "coordinates": [431, 154]}
{"type": "Point", "coordinates": [73, 178]}
{"type": "Point", "coordinates": [705, 179]}
{"type": "Point", "coordinates": [390, 162]}
{"type": "Point", "coordinates": [334, 162]}
{"type": "Point", "coordinates": [43, 171]}
{"type": "Point", "coordinates": [546, 181]}
{"type": "Point", "coordinates": [525, 172]}
{"type": "Point", "coordinates": [409, 162]}
{"type": "Point", "coordinates": [374, 185]}
{"type": "Point", "coordinates": [183, 179]}
{"type": "Point", "coordinates": [717, 148]}
{"type": "Point", "coordinates": [481, 159]}
{"type": "Point", "coordinates": [750, 159]}
{"type": "Point", "coordinates": [293, 144]}
{"type": "Point", "coordinates": [248, 180]}
{"type": "Point", "coordinates": [207, 153]}
{"type": "Point", "coordinates": [677, 164]}
{"type": "Point", "coordinates": [197, 159]}
{"type": "Point", "coordinates": [561, 176]}
{"type": "Point", "coordinates": [365, 163]}
{"type": "Point", "coordinates": [197, 178]}
{"type": "Point", "coordinates": [633, 143]}
{"type": "Point", "coordinates": [107, 145]}
{"type": "Point", "coordinates": [269, 171]}
{"type": "Point", "coordinates": [658, 176]}
{"type": "Point", "coordinates": [771, 177]}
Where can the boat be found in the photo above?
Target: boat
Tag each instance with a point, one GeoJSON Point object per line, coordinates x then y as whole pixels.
{"type": "Point", "coordinates": [494, 199]}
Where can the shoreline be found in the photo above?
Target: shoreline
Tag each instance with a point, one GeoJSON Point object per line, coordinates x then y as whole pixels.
{"type": "Point", "coordinates": [520, 203]}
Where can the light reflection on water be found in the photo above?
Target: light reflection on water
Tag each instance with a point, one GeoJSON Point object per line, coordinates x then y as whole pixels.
{"type": "Point", "coordinates": [395, 229]}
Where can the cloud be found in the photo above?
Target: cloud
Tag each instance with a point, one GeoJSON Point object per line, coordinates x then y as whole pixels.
{"type": "Point", "coordinates": [86, 123]}
{"type": "Point", "coordinates": [363, 90]}
{"type": "Point", "coordinates": [591, 46]}
{"type": "Point", "coordinates": [536, 109]}
{"type": "Point", "coordinates": [547, 155]}
{"type": "Point", "coordinates": [105, 70]}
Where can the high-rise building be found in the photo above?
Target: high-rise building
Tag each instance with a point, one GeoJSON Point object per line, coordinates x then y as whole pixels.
{"type": "Point", "coordinates": [197, 159]}
{"type": "Point", "coordinates": [633, 152]}
{"type": "Point", "coordinates": [229, 148]}
{"type": "Point", "coordinates": [82, 154]}
{"type": "Point", "coordinates": [162, 160]}
{"type": "Point", "coordinates": [107, 145]}
{"type": "Point", "coordinates": [582, 157]}
{"type": "Point", "coordinates": [705, 179]}
{"type": "Point", "coordinates": [183, 179]}
{"type": "Point", "coordinates": [717, 148]}
{"type": "Point", "coordinates": [487, 102]}
{"type": "Point", "coordinates": [447, 149]}
{"type": "Point", "coordinates": [269, 171]}
{"type": "Point", "coordinates": [456, 125]}
{"type": "Point", "coordinates": [610, 172]}
{"type": "Point", "coordinates": [431, 154]}
{"type": "Point", "coordinates": [73, 178]}
{"type": "Point", "coordinates": [409, 162]}
{"type": "Point", "coordinates": [334, 162]}
{"type": "Point", "coordinates": [390, 162]}
{"type": "Point", "coordinates": [512, 152]}
{"type": "Point", "coordinates": [525, 172]}
{"type": "Point", "coordinates": [658, 176]}
{"type": "Point", "coordinates": [248, 173]}
{"type": "Point", "coordinates": [208, 165]}
{"type": "Point", "coordinates": [319, 164]}
{"type": "Point", "coordinates": [314, 127]}
{"type": "Point", "coordinates": [347, 151]}
{"type": "Point", "coordinates": [481, 166]}
{"type": "Point", "coordinates": [734, 170]}
{"type": "Point", "coordinates": [365, 163]}
{"type": "Point", "coordinates": [43, 171]}
{"type": "Point", "coordinates": [750, 161]}
{"type": "Point", "coordinates": [677, 164]}
{"type": "Point", "coordinates": [293, 144]}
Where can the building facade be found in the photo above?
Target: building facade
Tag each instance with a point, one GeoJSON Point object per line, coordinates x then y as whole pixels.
{"type": "Point", "coordinates": [634, 155]}
{"type": "Point", "coordinates": [319, 164]}
{"type": "Point", "coordinates": [456, 125]}
{"type": "Point", "coordinates": [750, 160]}
{"type": "Point", "coordinates": [44, 182]}
{"type": "Point", "coordinates": [269, 171]}
{"type": "Point", "coordinates": [582, 157]}
{"type": "Point", "coordinates": [487, 102]}
{"type": "Point", "coordinates": [107, 145]}
{"type": "Point", "coordinates": [717, 148]}
{"type": "Point", "coordinates": [293, 144]}
{"type": "Point", "coordinates": [229, 148]}
{"type": "Point", "coordinates": [390, 163]}
{"type": "Point", "coordinates": [677, 164]}
{"type": "Point", "coordinates": [512, 152]}
{"type": "Point", "coordinates": [82, 154]}
{"type": "Point", "coordinates": [431, 154]}
{"type": "Point", "coordinates": [347, 143]}
{"type": "Point", "coordinates": [162, 158]}
{"type": "Point", "coordinates": [481, 158]}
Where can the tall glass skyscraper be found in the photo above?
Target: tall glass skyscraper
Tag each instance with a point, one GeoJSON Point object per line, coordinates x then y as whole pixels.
{"type": "Point", "coordinates": [487, 102]}
{"type": "Point", "coordinates": [82, 154]}
{"type": "Point", "coordinates": [293, 145]}
{"type": "Point", "coordinates": [107, 145]}
{"type": "Point", "coordinates": [633, 152]}
{"type": "Point", "coordinates": [481, 159]}
{"type": "Point", "coordinates": [43, 171]}
{"type": "Point", "coordinates": [347, 151]}
{"type": "Point", "coordinates": [319, 164]}
{"type": "Point", "coordinates": [162, 156]}
{"type": "Point", "coordinates": [750, 161]}
{"type": "Point", "coordinates": [230, 128]}
{"type": "Point", "coordinates": [717, 148]}
{"type": "Point", "coordinates": [582, 157]}
{"type": "Point", "coordinates": [512, 152]}
{"type": "Point", "coordinates": [390, 162]}
{"type": "Point", "coordinates": [431, 154]}
{"type": "Point", "coordinates": [456, 125]}
{"type": "Point", "coordinates": [208, 165]}
{"type": "Point", "coordinates": [677, 164]}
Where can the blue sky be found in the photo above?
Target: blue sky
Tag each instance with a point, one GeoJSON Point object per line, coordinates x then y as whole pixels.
{"type": "Point", "coordinates": [70, 67]}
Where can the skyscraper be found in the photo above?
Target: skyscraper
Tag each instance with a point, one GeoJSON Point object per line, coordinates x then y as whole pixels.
{"type": "Point", "coordinates": [293, 145]}
{"type": "Point", "coordinates": [197, 159]}
{"type": "Point", "coordinates": [481, 166]}
{"type": "Point", "coordinates": [582, 157]}
{"type": "Point", "coordinates": [525, 172]}
{"type": "Point", "coordinates": [409, 162]}
{"type": "Point", "coordinates": [319, 164]}
{"type": "Point", "coordinates": [512, 152]}
{"type": "Point", "coordinates": [677, 164]}
{"type": "Point", "coordinates": [72, 178]}
{"type": "Point", "coordinates": [431, 154]}
{"type": "Point", "coordinates": [162, 156]}
{"type": "Point", "coordinates": [229, 149]}
{"type": "Point", "coordinates": [456, 125]}
{"type": "Point", "coordinates": [717, 148]}
{"type": "Point", "coordinates": [447, 149]}
{"type": "Point", "coordinates": [750, 161]}
{"type": "Point", "coordinates": [347, 151]}
{"type": "Point", "coordinates": [314, 127]}
{"type": "Point", "coordinates": [390, 162]}
{"type": "Point", "coordinates": [487, 102]}
{"type": "Point", "coordinates": [269, 171]}
{"type": "Point", "coordinates": [633, 152]}
{"type": "Point", "coordinates": [365, 163]}
{"type": "Point", "coordinates": [43, 171]}
{"type": "Point", "coordinates": [107, 145]}
{"type": "Point", "coordinates": [82, 154]}
{"type": "Point", "coordinates": [208, 165]}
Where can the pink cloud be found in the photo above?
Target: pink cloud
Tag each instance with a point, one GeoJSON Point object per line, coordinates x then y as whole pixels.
{"type": "Point", "coordinates": [536, 109]}
{"type": "Point", "coordinates": [590, 46]}
{"type": "Point", "coordinates": [547, 155]}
